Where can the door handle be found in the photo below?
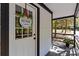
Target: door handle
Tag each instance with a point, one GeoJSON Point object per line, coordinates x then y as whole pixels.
{"type": "Point", "coordinates": [34, 34]}
{"type": "Point", "coordinates": [34, 38]}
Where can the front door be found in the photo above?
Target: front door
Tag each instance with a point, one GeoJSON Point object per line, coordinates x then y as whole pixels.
{"type": "Point", "coordinates": [22, 30]}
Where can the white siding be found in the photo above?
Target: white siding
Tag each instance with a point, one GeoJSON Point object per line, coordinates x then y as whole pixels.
{"type": "Point", "coordinates": [45, 31]}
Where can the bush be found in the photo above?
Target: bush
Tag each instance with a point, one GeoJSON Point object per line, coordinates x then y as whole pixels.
{"type": "Point", "coordinates": [68, 41]}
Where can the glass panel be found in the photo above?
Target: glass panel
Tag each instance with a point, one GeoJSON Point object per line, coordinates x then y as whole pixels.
{"type": "Point", "coordinates": [18, 22]}
{"type": "Point", "coordinates": [18, 26]}
{"type": "Point", "coordinates": [18, 33]}
{"type": "Point", "coordinates": [23, 22]}
{"type": "Point", "coordinates": [25, 32]}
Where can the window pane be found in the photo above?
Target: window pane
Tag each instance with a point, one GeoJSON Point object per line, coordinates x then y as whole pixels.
{"type": "Point", "coordinates": [23, 22]}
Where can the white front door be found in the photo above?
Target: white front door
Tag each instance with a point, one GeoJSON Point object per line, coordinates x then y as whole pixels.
{"type": "Point", "coordinates": [22, 36]}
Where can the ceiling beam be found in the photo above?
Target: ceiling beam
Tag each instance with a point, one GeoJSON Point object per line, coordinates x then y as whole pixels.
{"type": "Point", "coordinates": [45, 7]}
{"type": "Point", "coordinates": [76, 9]}
{"type": "Point", "coordinates": [64, 17]}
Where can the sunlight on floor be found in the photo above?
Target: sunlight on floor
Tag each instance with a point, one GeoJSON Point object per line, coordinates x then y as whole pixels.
{"type": "Point", "coordinates": [56, 49]}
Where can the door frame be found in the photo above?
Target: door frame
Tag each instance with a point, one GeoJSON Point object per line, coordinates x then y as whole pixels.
{"type": "Point", "coordinates": [5, 28]}
{"type": "Point", "coordinates": [38, 29]}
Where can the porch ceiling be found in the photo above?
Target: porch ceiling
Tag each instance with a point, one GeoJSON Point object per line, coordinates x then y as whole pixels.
{"type": "Point", "coordinates": [61, 9]}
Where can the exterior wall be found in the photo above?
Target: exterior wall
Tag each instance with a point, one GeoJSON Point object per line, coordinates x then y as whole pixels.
{"type": "Point", "coordinates": [45, 31]}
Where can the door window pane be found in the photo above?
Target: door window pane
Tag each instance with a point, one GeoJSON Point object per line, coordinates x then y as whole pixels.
{"type": "Point", "coordinates": [23, 22]}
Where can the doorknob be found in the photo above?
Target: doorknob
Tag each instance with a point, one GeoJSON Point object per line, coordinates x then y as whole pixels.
{"type": "Point", "coordinates": [34, 38]}
{"type": "Point", "coordinates": [34, 34]}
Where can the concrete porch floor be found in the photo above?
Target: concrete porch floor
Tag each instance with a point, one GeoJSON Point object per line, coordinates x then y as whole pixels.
{"type": "Point", "coordinates": [63, 51]}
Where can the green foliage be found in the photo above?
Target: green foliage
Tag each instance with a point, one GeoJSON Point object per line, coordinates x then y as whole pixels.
{"type": "Point", "coordinates": [62, 23]}
{"type": "Point", "coordinates": [68, 41]}
{"type": "Point", "coordinates": [20, 14]}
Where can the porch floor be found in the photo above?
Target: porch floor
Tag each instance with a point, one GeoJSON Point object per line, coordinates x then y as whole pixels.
{"type": "Point", "coordinates": [62, 50]}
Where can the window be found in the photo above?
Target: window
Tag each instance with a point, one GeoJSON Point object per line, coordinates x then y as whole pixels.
{"type": "Point", "coordinates": [23, 22]}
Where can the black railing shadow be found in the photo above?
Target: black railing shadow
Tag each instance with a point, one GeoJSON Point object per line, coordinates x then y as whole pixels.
{"type": "Point", "coordinates": [63, 53]}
